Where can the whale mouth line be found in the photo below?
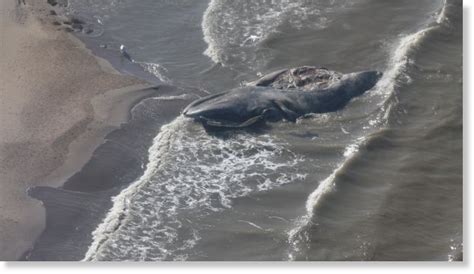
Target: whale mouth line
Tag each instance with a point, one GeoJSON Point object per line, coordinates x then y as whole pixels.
{"type": "Point", "coordinates": [227, 124]}
{"type": "Point", "coordinates": [200, 101]}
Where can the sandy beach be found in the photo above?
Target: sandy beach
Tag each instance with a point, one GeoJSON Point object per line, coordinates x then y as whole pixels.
{"type": "Point", "coordinates": [57, 102]}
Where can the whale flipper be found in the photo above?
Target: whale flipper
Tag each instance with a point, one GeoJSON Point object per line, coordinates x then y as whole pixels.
{"type": "Point", "coordinates": [287, 113]}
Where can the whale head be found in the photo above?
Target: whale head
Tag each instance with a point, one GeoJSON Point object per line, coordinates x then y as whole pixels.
{"type": "Point", "coordinates": [357, 83]}
{"type": "Point", "coordinates": [235, 108]}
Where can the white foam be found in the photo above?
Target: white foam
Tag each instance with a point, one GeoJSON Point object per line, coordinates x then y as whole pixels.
{"type": "Point", "coordinates": [397, 66]}
{"type": "Point", "coordinates": [188, 170]}
{"type": "Point", "coordinates": [442, 13]}
{"type": "Point", "coordinates": [157, 70]}
{"type": "Point", "coordinates": [252, 224]}
{"type": "Point", "coordinates": [455, 250]}
{"type": "Point", "coordinates": [183, 96]}
{"type": "Point", "coordinates": [121, 202]}
{"type": "Point", "coordinates": [229, 27]}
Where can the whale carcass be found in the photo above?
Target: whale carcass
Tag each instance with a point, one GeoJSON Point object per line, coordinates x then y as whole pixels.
{"type": "Point", "coordinates": [285, 94]}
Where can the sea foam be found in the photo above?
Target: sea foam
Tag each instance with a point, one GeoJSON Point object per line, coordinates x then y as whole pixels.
{"type": "Point", "coordinates": [233, 30]}
{"type": "Point", "coordinates": [189, 172]}
{"type": "Point", "coordinates": [393, 76]}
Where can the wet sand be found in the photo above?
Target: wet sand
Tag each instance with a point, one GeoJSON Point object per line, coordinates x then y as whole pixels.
{"type": "Point", "coordinates": [58, 102]}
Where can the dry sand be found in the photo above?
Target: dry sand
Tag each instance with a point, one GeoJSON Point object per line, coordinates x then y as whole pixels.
{"type": "Point", "coordinates": [57, 102]}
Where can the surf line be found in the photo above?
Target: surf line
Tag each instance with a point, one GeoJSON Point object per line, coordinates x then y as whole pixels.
{"type": "Point", "coordinates": [397, 65]}
{"type": "Point", "coordinates": [118, 213]}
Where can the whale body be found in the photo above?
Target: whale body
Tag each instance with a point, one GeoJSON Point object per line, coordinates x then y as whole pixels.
{"type": "Point", "coordinates": [282, 95]}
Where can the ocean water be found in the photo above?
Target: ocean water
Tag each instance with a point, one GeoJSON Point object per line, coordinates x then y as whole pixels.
{"type": "Point", "coordinates": [379, 180]}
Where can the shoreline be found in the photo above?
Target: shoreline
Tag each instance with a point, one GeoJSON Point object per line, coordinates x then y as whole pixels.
{"type": "Point", "coordinates": [59, 102]}
{"type": "Point", "coordinates": [112, 110]}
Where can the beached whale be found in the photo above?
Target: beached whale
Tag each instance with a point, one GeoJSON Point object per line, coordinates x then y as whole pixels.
{"type": "Point", "coordinates": [285, 94]}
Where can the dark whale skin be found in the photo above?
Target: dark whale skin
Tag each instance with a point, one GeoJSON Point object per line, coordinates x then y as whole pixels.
{"type": "Point", "coordinates": [244, 106]}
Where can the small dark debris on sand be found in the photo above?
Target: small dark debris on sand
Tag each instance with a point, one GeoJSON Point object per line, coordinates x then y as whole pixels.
{"type": "Point", "coordinates": [75, 20]}
{"type": "Point", "coordinates": [75, 23]}
{"type": "Point", "coordinates": [77, 27]}
{"type": "Point", "coordinates": [53, 2]}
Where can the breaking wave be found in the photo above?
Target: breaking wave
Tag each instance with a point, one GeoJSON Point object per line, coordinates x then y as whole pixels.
{"type": "Point", "coordinates": [234, 30]}
{"type": "Point", "coordinates": [188, 171]}
{"type": "Point", "coordinates": [393, 76]}
{"type": "Point", "coordinates": [192, 173]}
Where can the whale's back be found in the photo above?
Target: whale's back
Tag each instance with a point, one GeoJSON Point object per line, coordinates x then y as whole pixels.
{"type": "Point", "coordinates": [305, 78]}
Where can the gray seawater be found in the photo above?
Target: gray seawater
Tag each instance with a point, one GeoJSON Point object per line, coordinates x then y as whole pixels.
{"type": "Point", "coordinates": [379, 180]}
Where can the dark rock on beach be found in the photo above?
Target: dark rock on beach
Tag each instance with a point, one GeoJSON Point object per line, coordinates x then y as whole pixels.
{"type": "Point", "coordinates": [52, 2]}
{"type": "Point", "coordinates": [61, 3]}
{"type": "Point", "coordinates": [77, 26]}
{"type": "Point", "coordinates": [75, 20]}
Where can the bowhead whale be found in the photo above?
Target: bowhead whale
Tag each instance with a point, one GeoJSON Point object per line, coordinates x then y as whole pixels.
{"type": "Point", "coordinates": [285, 94]}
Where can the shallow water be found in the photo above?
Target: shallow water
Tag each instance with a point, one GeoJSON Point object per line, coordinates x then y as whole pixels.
{"type": "Point", "coordinates": [379, 180]}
